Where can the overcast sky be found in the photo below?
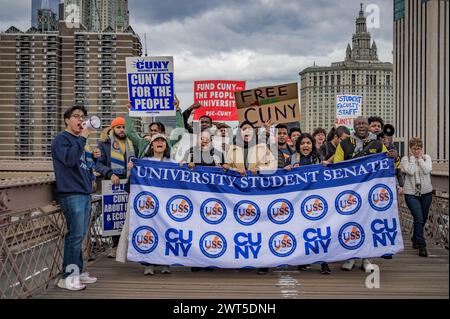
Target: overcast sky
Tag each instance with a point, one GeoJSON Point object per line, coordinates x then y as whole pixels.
{"type": "Point", "coordinates": [264, 42]}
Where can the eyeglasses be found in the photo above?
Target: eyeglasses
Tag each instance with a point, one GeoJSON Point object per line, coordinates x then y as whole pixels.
{"type": "Point", "coordinates": [79, 117]}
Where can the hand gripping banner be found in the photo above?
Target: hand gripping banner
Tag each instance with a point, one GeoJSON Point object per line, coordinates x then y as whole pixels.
{"type": "Point", "coordinates": [210, 218]}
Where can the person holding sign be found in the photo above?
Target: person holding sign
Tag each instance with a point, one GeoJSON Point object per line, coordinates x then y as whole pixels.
{"type": "Point", "coordinates": [116, 150]}
{"type": "Point", "coordinates": [143, 144]}
{"type": "Point", "coordinates": [307, 155]}
{"type": "Point", "coordinates": [158, 150]}
{"type": "Point", "coordinates": [247, 154]}
{"type": "Point", "coordinates": [361, 143]}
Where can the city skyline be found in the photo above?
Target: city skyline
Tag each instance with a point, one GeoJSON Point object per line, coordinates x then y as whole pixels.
{"type": "Point", "coordinates": [263, 42]}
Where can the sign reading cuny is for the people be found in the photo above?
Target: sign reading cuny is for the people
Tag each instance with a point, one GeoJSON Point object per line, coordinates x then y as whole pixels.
{"type": "Point", "coordinates": [150, 86]}
{"type": "Point", "coordinates": [217, 99]}
{"type": "Point", "coordinates": [348, 107]}
{"type": "Point", "coordinates": [277, 103]}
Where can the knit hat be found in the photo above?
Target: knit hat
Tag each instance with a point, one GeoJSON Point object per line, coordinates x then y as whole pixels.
{"type": "Point", "coordinates": [118, 121]}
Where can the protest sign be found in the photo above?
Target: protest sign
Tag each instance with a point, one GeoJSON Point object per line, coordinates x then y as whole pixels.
{"type": "Point", "coordinates": [210, 218]}
{"type": "Point", "coordinates": [217, 99]}
{"type": "Point", "coordinates": [277, 103]}
{"type": "Point", "coordinates": [150, 86]}
{"type": "Point", "coordinates": [348, 107]}
{"type": "Point", "coordinates": [114, 207]}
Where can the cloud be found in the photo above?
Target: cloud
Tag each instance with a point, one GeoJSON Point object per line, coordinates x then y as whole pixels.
{"type": "Point", "coordinates": [262, 41]}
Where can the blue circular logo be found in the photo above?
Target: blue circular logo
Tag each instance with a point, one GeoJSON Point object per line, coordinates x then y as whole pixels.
{"type": "Point", "coordinates": [351, 236]}
{"type": "Point", "coordinates": [146, 205]}
{"type": "Point", "coordinates": [280, 211]}
{"type": "Point", "coordinates": [246, 212]}
{"type": "Point", "coordinates": [348, 203]}
{"type": "Point", "coordinates": [213, 244]}
{"type": "Point", "coordinates": [179, 208]}
{"type": "Point", "coordinates": [144, 239]}
{"type": "Point", "coordinates": [282, 244]}
{"type": "Point", "coordinates": [213, 211]}
{"type": "Point", "coordinates": [380, 197]}
{"type": "Point", "coordinates": [314, 207]}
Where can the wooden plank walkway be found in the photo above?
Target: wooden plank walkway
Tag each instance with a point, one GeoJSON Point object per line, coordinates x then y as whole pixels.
{"type": "Point", "coordinates": [405, 276]}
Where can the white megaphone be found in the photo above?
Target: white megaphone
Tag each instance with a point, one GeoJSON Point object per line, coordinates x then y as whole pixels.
{"type": "Point", "coordinates": [92, 122]}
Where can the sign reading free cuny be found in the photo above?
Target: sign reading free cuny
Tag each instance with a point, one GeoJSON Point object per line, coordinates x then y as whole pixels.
{"type": "Point", "coordinates": [150, 86]}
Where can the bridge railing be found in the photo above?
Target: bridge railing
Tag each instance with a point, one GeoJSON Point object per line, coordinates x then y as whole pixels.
{"type": "Point", "coordinates": [31, 247]}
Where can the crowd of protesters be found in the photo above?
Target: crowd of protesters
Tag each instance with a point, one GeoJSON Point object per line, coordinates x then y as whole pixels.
{"type": "Point", "coordinates": [247, 150]}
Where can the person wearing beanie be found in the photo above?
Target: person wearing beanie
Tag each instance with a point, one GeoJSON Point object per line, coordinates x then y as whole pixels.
{"type": "Point", "coordinates": [116, 151]}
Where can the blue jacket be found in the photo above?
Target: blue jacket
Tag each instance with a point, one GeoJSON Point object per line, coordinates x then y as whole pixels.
{"type": "Point", "coordinates": [72, 172]}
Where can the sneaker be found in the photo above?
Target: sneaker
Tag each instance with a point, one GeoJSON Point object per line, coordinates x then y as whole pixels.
{"type": "Point", "coordinates": [367, 266]}
{"type": "Point", "coordinates": [263, 271]}
{"type": "Point", "coordinates": [112, 253]}
{"type": "Point", "coordinates": [386, 256]}
{"type": "Point", "coordinates": [348, 265]}
{"type": "Point", "coordinates": [86, 278]}
{"type": "Point", "coordinates": [70, 283]}
{"type": "Point", "coordinates": [304, 267]}
{"type": "Point", "coordinates": [325, 269]}
{"type": "Point", "coordinates": [165, 270]}
{"type": "Point", "coordinates": [423, 251]}
{"type": "Point", "coordinates": [149, 270]}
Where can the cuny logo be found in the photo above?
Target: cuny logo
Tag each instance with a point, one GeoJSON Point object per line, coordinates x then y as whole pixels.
{"type": "Point", "coordinates": [314, 207]}
{"type": "Point", "coordinates": [246, 212]}
{"type": "Point", "coordinates": [142, 65]}
{"type": "Point", "coordinates": [213, 244]}
{"type": "Point", "coordinates": [177, 240]}
{"type": "Point", "coordinates": [213, 211]}
{"type": "Point", "coordinates": [145, 239]}
{"type": "Point", "coordinates": [317, 240]}
{"type": "Point", "coordinates": [384, 231]}
{"type": "Point", "coordinates": [348, 203]}
{"type": "Point", "coordinates": [282, 244]}
{"type": "Point", "coordinates": [246, 244]}
{"type": "Point", "coordinates": [280, 211]}
{"type": "Point", "coordinates": [179, 208]}
{"type": "Point", "coordinates": [380, 197]}
{"type": "Point", "coordinates": [146, 205]}
{"type": "Point", "coordinates": [351, 236]}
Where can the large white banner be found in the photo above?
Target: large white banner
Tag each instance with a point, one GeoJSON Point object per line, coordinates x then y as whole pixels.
{"type": "Point", "coordinates": [210, 218]}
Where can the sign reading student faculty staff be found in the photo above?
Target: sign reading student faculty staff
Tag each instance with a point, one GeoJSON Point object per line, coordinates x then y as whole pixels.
{"type": "Point", "coordinates": [277, 103]}
{"type": "Point", "coordinates": [348, 107]}
{"type": "Point", "coordinates": [150, 86]}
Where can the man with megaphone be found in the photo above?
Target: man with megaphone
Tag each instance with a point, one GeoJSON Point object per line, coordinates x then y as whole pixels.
{"type": "Point", "coordinates": [116, 151]}
{"type": "Point", "coordinates": [73, 164]}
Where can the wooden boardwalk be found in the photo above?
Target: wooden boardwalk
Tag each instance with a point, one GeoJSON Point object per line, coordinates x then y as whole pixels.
{"type": "Point", "coordinates": [405, 276]}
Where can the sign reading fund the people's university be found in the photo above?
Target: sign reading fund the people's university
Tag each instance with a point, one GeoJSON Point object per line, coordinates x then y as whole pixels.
{"type": "Point", "coordinates": [150, 86]}
{"type": "Point", "coordinates": [210, 218]}
{"type": "Point", "coordinates": [277, 103]}
{"type": "Point", "coordinates": [217, 99]}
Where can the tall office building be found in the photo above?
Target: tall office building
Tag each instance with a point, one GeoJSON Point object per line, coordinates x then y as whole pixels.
{"type": "Point", "coordinates": [98, 15]}
{"type": "Point", "coordinates": [44, 73]}
{"type": "Point", "coordinates": [52, 5]}
{"type": "Point", "coordinates": [421, 69]}
{"type": "Point", "coordinates": [47, 20]}
{"type": "Point", "coordinates": [361, 73]}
